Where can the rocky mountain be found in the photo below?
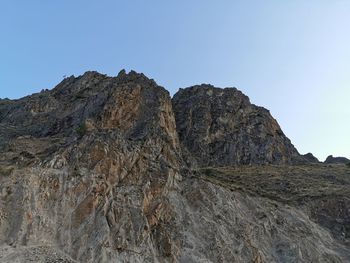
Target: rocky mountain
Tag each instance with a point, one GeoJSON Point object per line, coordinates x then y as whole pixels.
{"type": "Point", "coordinates": [331, 159]}
{"type": "Point", "coordinates": [220, 127]}
{"type": "Point", "coordinates": [111, 169]}
{"type": "Point", "coordinates": [310, 158]}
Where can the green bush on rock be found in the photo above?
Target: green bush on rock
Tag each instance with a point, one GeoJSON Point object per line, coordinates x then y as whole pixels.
{"type": "Point", "coordinates": [81, 130]}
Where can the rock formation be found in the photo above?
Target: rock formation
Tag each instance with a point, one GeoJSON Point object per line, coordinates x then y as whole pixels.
{"type": "Point", "coordinates": [98, 170]}
{"type": "Point", "coordinates": [220, 127]}
{"type": "Point", "coordinates": [310, 158]}
{"type": "Point", "coordinates": [98, 156]}
{"type": "Point", "coordinates": [331, 159]}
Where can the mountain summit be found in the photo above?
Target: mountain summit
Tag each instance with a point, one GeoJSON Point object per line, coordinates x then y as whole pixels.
{"type": "Point", "coordinates": [220, 127]}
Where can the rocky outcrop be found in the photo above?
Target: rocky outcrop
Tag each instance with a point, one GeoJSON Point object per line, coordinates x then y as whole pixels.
{"type": "Point", "coordinates": [220, 127]}
{"type": "Point", "coordinates": [89, 169]}
{"type": "Point", "coordinates": [94, 171]}
{"type": "Point", "coordinates": [310, 158]}
{"type": "Point", "coordinates": [331, 160]}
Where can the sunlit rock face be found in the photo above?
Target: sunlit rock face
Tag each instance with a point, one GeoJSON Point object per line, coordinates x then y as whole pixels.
{"type": "Point", "coordinates": [98, 170]}
{"type": "Point", "coordinates": [94, 161]}
{"type": "Point", "coordinates": [220, 127]}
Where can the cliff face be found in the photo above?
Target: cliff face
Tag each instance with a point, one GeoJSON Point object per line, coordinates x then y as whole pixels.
{"type": "Point", "coordinates": [91, 164]}
{"type": "Point", "coordinates": [220, 127]}
{"type": "Point", "coordinates": [98, 170]}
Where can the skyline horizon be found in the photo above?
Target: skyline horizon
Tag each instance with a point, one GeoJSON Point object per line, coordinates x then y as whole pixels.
{"type": "Point", "coordinates": [172, 95]}
{"type": "Point", "coordinates": [292, 58]}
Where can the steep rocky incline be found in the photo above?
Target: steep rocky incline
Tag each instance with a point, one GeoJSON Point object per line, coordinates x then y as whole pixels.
{"type": "Point", "coordinates": [321, 190]}
{"type": "Point", "coordinates": [96, 170]}
{"type": "Point", "coordinates": [220, 127]}
{"type": "Point", "coordinates": [89, 168]}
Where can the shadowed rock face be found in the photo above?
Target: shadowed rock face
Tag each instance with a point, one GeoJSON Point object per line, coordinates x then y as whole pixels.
{"type": "Point", "coordinates": [94, 171]}
{"type": "Point", "coordinates": [331, 159]}
{"type": "Point", "coordinates": [310, 158]}
{"type": "Point", "coordinates": [220, 127]}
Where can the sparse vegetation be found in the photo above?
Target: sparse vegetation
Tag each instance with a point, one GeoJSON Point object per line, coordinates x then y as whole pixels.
{"type": "Point", "coordinates": [287, 184]}
{"type": "Point", "coordinates": [6, 170]}
{"type": "Point", "coordinates": [4, 101]}
{"type": "Point", "coordinates": [209, 172]}
{"type": "Point", "coordinates": [80, 94]}
{"type": "Point", "coordinates": [76, 172]}
{"type": "Point", "coordinates": [81, 130]}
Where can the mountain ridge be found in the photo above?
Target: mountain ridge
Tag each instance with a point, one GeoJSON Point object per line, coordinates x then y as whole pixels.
{"type": "Point", "coordinates": [105, 169]}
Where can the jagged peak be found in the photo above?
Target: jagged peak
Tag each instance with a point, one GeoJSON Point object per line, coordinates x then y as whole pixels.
{"type": "Point", "coordinates": [210, 91]}
{"type": "Point", "coordinates": [91, 80]}
{"type": "Point", "coordinates": [133, 76]}
{"type": "Point", "coordinates": [207, 86]}
{"type": "Point", "coordinates": [221, 127]}
{"type": "Point", "coordinates": [310, 158]}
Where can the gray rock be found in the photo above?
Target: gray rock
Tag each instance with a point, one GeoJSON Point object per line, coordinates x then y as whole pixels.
{"type": "Point", "coordinates": [220, 127]}
{"type": "Point", "coordinates": [94, 171]}
{"type": "Point", "coordinates": [330, 160]}
{"type": "Point", "coordinates": [310, 158]}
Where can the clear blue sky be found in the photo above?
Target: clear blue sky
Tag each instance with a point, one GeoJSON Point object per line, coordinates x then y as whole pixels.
{"type": "Point", "coordinates": [292, 57]}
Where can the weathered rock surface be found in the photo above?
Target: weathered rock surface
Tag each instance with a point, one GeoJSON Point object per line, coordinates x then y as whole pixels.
{"type": "Point", "coordinates": [331, 159]}
{"type": "Point", "coordinates": [321, 191]}
{"type": "Point", "coordinates": [94, 171]}
{"type": "Point", "coordinates": [90, 173]}
{"type": "Point", "coordinates": [220, 127]}
{"type": "Point", "coordinates": [37, 254]}
{"type": "Point", "coordinates": [310, 158]}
